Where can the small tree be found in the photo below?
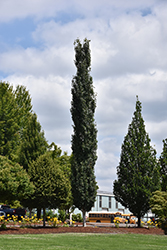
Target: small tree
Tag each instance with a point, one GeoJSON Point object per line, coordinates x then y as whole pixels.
{"type": "Point", "coordinates": [158, 204]}
{"type": "Point", "coordinates": [64, 162]}
{"type": "Point", "coordinates": [138, 170]}
{"type": "Point", "coordinates": [51, 185]}
{"type": "Point", "coordinates": [84, 142]}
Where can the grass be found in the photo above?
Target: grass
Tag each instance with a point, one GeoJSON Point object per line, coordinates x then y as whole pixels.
{"type": "Point", "coordinates": [83, 241]}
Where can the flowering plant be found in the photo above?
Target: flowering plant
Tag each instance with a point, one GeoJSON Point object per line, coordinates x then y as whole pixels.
{"type": "Point", "coordinates": [116, 222]}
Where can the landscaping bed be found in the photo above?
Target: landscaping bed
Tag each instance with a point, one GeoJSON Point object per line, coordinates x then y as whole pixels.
{"type": "Point", "coordinates": [80, 229]}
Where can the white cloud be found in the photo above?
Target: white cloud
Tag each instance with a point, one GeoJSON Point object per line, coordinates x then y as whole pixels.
{"type": "Point", "coordinates": [40, 9]}
{"type": "Point", "coordinates": [106, 168]}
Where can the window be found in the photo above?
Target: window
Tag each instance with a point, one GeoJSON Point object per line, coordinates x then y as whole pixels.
{"type": "Point", "coordinates": [116, 204]}
{"type": "Point", "coordinates": [109, 203]}
{"type": "Point", "coordinates": [100, 201]}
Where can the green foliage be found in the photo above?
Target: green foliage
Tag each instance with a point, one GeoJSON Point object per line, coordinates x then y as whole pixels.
{"type": "Point", "coordinates": [158, 204]}
{"type": "Point", "coordinates": [50, 214]}
{"type": "Point", "coordinates": [51, 185]}
{"type": "Point", "coordinates": [14, 181]}
{"type": "Point", "coordinates": [163, 162]}
{"type": "Point", "coordinates": [84, 142]}
{"type": "Point", "coordinates": [64, 162]}
{"type": "Point", "coordinates": [77, 217]}
{"type": "Point", "coordinates": [138, 170]}
{"type": "Point", "coordinates": [9, 117]}
{"type": "Point", "coordinates": [15, 108]}
{"type": "Point", "coordinates": [33, 143]}
{"type": "Point", "coordinates": [62, 215]}
{"type": "Point", "coordinates": [24, 106]}
{"type": "Point", "coordinates": [14, 204]}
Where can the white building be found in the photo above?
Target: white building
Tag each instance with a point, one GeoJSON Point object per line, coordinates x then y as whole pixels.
{"type": "Point", "coordinates": [105, 201]}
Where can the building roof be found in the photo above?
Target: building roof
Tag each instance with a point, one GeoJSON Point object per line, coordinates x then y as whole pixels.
{"type": "Point", "coordinates": [104, 193]}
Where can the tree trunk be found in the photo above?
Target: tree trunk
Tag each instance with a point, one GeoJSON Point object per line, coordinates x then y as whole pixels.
{"type": "Point", "coordinates": [38, 213]}
{"type": "Point", "coordinates": [84, 218]}
{"type": "Point", "coordinates": [139, 222]}
{"type": "Point", "coordinates": [44, 217]}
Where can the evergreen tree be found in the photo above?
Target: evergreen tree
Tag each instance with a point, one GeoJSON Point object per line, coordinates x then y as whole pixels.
{"type": "Point", "coordinates": [33, 143]}
{"type": "Point", "coordinates": [163, 162]}
{"type": "Point", "coordinates": [138, 170]}
{"type": "Point", "coordinates": [84, 142]}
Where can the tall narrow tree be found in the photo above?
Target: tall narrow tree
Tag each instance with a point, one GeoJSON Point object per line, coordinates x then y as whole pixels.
{"type": "Point", "coordinates": [138, 170]}
{"type": "Point", "coordinates": [84, 142]}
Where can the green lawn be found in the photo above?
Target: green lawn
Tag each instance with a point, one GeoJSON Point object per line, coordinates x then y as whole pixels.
{"type": "Point", "coordinates": [83, 241]}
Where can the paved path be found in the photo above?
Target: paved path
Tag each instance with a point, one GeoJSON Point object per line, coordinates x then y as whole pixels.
{"type": "Point", "coordinates": [109, 224]}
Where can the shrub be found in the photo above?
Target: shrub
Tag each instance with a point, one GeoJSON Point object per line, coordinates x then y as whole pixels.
{"type": "Point", "coordinates": [77, 217]}
{"type": "Point", "coordinates": [62, 215]}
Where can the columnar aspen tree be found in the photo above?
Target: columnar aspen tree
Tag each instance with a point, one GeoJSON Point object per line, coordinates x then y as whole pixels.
{"type": "Point", "coordinates": [84, 142]}
{"type": "Point", "coordinates": [138, 170]}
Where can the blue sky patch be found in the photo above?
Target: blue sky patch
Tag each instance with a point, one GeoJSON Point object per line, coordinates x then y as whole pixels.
{"type": "Point", "coordinates": [17, 33]}
{"type": "Point", "coordinates": [146, 12]}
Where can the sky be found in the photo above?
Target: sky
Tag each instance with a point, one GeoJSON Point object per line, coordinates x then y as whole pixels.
{"type": "Point", "coordinates": [128, 58]}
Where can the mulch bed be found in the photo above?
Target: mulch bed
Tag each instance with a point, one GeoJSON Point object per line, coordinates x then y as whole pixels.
{"type": "Point", "coordinates": [79, 229]}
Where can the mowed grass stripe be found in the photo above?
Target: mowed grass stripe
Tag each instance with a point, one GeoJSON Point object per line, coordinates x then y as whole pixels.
{"type": "Point", "coordinates": [83, 241]}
